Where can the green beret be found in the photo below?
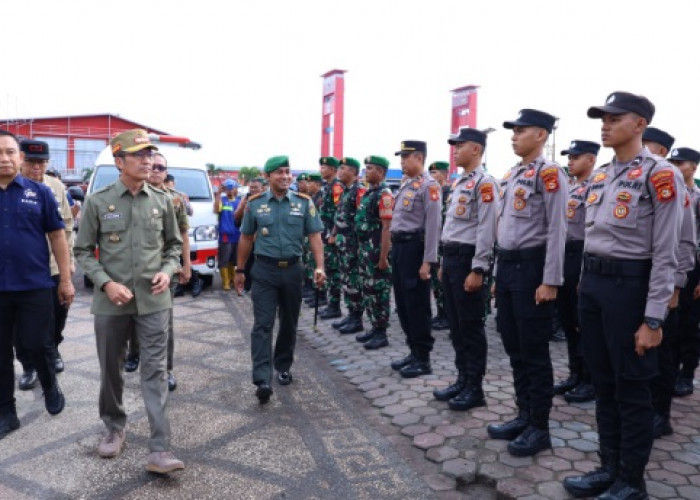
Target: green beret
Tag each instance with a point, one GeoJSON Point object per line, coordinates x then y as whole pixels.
{"type": "Point", "coordinates": [439, 165]}
{"type": "Point", "coordinates": [331, 161]}
{"type": "Point", "coordinates": [276, 162]}
{"type": "Point", "coordinates": [351, 162]}
{"type": "Point", "coordinates": [379, 161]}
{"type": "Point", "coordinates": [315, 176]}
{"type": "Point", "coordinates": [303, 177]}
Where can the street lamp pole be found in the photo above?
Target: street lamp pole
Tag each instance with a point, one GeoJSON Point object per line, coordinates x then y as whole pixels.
{"type": "Point", "coordinates": [487, 131]}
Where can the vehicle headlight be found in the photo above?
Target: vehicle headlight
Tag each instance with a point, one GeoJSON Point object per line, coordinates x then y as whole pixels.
{"type": "Point", "coordinates": [206, 233]}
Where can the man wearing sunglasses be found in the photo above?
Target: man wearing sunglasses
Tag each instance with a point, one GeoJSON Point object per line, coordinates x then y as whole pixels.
{"type": "Point", "coordinates": [139, 239]}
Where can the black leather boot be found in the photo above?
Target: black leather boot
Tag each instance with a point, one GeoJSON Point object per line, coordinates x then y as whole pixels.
{"type": "Point", "coordinates": [340, 322]}
{"type": "Point", "coordinates": [353, 324]}
{"type": "Point", "coordinates": [378, 340]}
{"type": "Point", "coordinates": [331, 311]}
{"type": "Point", "coordinates": [451, 390]}
{"type": "Point", "coordinates": [365, 336]}
{"type": "Point", "coordinates": [511, 429]}
{"type": "Point", "coordinates": [530, 442]}
{"type": "Point", "coordinates": [566, 385]}
{"type": "Point", "coordinates": [597, 481]}
{"type": "Point", "coordinates": [662, 426]}
{"type": "Point", "coordinates": [400, 363]}
{"type": "Point", "coordinates": [581, 393]}
{"type": "Point", "coordinates": [629, 484]}
{"type": "Point", "coordinates": [472, 396]}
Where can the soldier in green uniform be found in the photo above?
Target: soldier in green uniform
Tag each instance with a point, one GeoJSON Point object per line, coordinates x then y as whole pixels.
{"type": "Point", "coordinates": [302, 182]}
{"type": "Point", "coordinates": [332, 192]}
{"type": "Point", "coordinates": [347, 245]}
{"type": "Point", "coordinates": [136, 229]}
{"type": "Point", "coordinates": [439, 171]}
{"type": "Point", "coordinates": [315, 183]}
{"type": "Point", "coordinates": [277, 221]}
{"type": "Point", "coordinates": [372, 224]}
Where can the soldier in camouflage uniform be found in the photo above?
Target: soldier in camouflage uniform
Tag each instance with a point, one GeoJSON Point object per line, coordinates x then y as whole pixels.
{"type": "Point", "coordinates": [315, 182]}
{"type": "Point", "coordinates": [439, 170]}
{"type": "Point", "coordinates": [302, 183]}
{"type": "Point", "coordinates": [332, 192]}
{"type": "Point", "coordinates": [347, 245]}
{"type": "Point", "coordinates": [372, 224]}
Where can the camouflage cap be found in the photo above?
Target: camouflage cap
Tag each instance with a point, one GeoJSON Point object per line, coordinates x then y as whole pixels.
{"type": "Point", "coordinates": [330, 161]}
{"type": "Point", "coordinates": [131, 141]}
{"type": "Point", "coordinates": [379, 161]}
{"type": "Point", "coordinates": [439, 165]}
{"type": "Point", "coordinates": [276, 162]}
{"type": "Point", "coordinates": [351, 162]}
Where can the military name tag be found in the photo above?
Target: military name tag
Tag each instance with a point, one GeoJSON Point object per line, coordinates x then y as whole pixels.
{"type": "Point", "coordinates": [112, 216]}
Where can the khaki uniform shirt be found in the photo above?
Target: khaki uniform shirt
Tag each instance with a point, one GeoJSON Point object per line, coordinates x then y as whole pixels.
{"type": "Point", "coordinates": [472, 211]}
{"type": "Point", "coordinates": [634, 211]}
{"type": "Point", "coordinates": [137, 237]}
{"type": "Point", "coordinates": [533, 213]}
{"type": "Point", "coordinates": [180, 204]}
{"type": "Point", "coordinates": [418, 207]}
{"type": "Point", "coordinates": [59, 192]}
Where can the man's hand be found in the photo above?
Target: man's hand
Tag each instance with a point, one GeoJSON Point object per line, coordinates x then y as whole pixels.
{"type": "Point", "coordinates": [673, 303]}
{"type": "Point", "coordinates": [160, 282]}
{"type": "Point", "coordinates": [331, 240]}
{"type": "Point", "coordinates": [239, 282]}
{"type": "Point", "coordinates": [66, 293]}
{"type": "Point", "coordinates": [185, 275]}
{"type": "Point", "coordinates": [383, 264]}
{"type": "Point", "coordinates": [474, 282]}
{"type": "Point", "coordinates": [424, 271]}
{"type": "Point", "coordinates": [646, 338]}
{"type": "Point", "coordinates": [117, 293]}
{"type": "Point", "coordinates": [696, 293]}
{"type": "Point", "coordinates": [319, 278]}
{"type": "Point", "coordinates": [545, 293]}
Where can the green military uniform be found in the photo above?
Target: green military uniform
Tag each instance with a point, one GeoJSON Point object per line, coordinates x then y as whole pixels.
{"type": "Point", "coordinates": [332, 193]}
{"type": "Point", "coordinates": [376, 206]}
{"type": "Point", "coordinates": [279, 226]}
{"type": "Point", "coordinates": [440, 321]}
{"type": "Point", "coordinates": [138, 237]}
{"type": "Point", "coordinates": [309, 256]}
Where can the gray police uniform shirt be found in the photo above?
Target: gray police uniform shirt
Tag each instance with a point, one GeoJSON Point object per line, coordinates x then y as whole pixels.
{"type": "Point", "coordinates": [418, 207]}
{"type": "Point", "coordinates": [695, 203]}
{"type": "Point", "coordinates": [472, 212]}
{"type": "Point", "coordinates": [686, 242]}
{"type": "Point", "coordinates": [633, 211]}
{"type": "Point", "coordinates": [576, 211]}
{"type": "Point", "coordinates": [533, 213]}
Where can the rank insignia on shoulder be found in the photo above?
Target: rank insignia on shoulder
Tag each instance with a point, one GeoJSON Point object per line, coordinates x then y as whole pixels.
{"type": "Point", "coordinates": [663, 184]}
{"type": "Point", "coordinates": [600, 177]}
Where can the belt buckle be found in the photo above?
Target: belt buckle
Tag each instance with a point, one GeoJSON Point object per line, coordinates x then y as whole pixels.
{"type": "Point", "coordinates": [282, 263]}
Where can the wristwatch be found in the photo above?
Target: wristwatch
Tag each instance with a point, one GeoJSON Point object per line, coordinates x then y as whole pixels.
{"type": "Point", "coordinates": [478, 270]}
{"type": "Point", "coordinates": [240, 271]}
{"type": "Point", "coordinates": [653, 323]}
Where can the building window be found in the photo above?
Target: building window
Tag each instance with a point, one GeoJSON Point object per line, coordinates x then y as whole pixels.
{"type": "Point", "coordinates": [58, 150]}
{"type": "Point", "coordinates": [86, 152]}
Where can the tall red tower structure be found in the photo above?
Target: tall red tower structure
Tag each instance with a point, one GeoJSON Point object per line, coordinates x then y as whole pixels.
{"type": "Point", "coordinates": [333, 113]}
{"type": "Point", "coordinates": [463, 113]}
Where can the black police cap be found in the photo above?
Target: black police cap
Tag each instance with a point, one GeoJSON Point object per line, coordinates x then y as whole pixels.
{"type": "Point", "coordinates": [35, 149]}
{"type": "Point", "coordinates": [653, 134]}
{"type": "Point", "coordinates": [579, 147]}
{"type": "Point", "coordinates": [408, 147]}
{"type": "Point", "coordinates": [684, 154]}
{"type": "Point", "coordinates": [619, 103]}
{"type": "Point", "coordinates": [468, 134]}
{"type": "Point", "coordinates": [532, 118]}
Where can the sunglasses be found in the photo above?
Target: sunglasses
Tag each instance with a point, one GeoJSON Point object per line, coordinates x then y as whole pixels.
{"type": "Point", "coordinates": [146, 153]}
{"type": "Point", "coordinates": [159, 168]}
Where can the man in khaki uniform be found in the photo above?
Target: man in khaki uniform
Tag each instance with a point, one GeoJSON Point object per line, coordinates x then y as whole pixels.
{"type": "Point", "coordinates": [34, 165]}
{"type": "Point", "coordinates": [139, 242]}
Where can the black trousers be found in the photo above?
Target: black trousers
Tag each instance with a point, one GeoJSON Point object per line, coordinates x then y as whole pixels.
{"type": "Point", "coordinates": [611, 310]}
{"type": "Point", "coordinates": [466, 313]}
{"type": "Point", "coordinates": [275, 291]}
{"type": "Point", "coordinates": [28, 316]}
{"type": "Point", "coordinates": [60, 314]}
{"type": "Point", "coordinates": [525, 329]}
{"type": "Point", "coordinates": [567, 308]}
{"type": "Point", "coordinates": [686, 345]}
{"type": "Point", "coordinates": [412, 296]}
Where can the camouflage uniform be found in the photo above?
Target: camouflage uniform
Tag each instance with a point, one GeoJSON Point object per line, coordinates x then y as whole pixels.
{"type": "Point", "coordinates": [376, 205]}
{"type": "Point", "coordinates": [309, 260]}
{"type": "Point", "coordinates": [347, 246]}
{"type": "Point", "coordinates": [332, 193]}
{"type": "Point", "coordinates": [438, 293]}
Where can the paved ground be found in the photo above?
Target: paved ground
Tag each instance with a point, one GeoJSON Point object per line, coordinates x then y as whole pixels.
{"type": "Point", "coordinates": [348, 427]}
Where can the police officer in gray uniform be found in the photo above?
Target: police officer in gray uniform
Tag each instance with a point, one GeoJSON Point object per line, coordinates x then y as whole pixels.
{"type": "Point", "coordinates": [530, 261]}
{"type": "Point", "coordinates": [659, 142]}
{"type": "Point", "coordinates": [582, 157]}
{"type": "Point", "coordinates": [415, 231]}
{"type": "Point", "coordinates": [633, 213]}
{"type": "Point", "coordinates": [467, 239]}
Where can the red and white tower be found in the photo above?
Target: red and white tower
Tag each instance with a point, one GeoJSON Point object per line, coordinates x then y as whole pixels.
{"type": "Point", "coordinates": [463, 113]}
{"type": "Point", "coordinates": [333, 113]}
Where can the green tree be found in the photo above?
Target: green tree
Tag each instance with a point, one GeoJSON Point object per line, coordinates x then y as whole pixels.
{"type": "Point", "coordinates": [86, 174]}
{"type": "Point", "coordinates": [247, 174]}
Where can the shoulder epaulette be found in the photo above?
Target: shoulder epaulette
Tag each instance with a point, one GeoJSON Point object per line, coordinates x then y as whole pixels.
{"type": "Point", "coordinates": [255, 197]}
{"type": "Point", "coordinates": [157, 190]}
{"type": "Point", "coordinates": [104, 188]}
{"type": "Point", "coordinates": [302, 195]}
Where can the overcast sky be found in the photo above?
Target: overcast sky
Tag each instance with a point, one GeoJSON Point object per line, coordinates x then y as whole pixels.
{"type": "Point", "coordinates": [243, 77]}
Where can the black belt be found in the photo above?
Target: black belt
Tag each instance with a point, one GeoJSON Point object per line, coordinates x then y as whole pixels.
{"type": "Point", "coordinates": [531, 253]}
{"type": "Point", "coordinates": [456, 249]}
{"type": "Point", "coordinates": [404, 236]}
{"type": "Point", "coordinates": [282, 263]}
{"type": "Point", "coordinates": [574, 246]}
{"type": "Point", "coordinates": [616, 267]}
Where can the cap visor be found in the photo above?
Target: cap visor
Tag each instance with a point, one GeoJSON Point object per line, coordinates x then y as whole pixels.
{"type": "Point", "coordinates": [516, 123]}
{"type": "Point", "coordinates": [567, 152]}
{"type": "Point", "coordinates": [452, 142]}
{"type": "Point", "coordinates": [36, 157]}
{"type": "Point", "coordinates": [599, 111]}
{"type": "Point", "coordinates": [139, 147]}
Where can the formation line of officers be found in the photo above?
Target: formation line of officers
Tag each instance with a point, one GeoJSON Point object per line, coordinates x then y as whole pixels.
{"type": "Point", "coordinates": [613, 249]}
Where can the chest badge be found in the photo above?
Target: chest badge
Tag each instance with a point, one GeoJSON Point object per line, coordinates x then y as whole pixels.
{"type": "Point", "coordinates": [519, 204]}
{"type": "Point", "coordinates": [634, 173]}
{"type": "Point", "coordinates": [600, 177]}
{"type": "Point", "coordinates": [520, 192]}
{"type": "Point", "coordinates": [155, 211]}
{"type": "Point", "coordinates": [114, 237]}
{"type": "Point", "coordinates": [592, 198]}
{"type": "Point", "coordinates": [460, 210]}
{"type": "Point", "coordinates": [529, 173]}
{"type": "Point", "coordinates": [470, 184]}
{"type": "Point", "coordinates": [624, 197]}
{"type": "Point", "coordinates": [111, 208]}
{"type": "Point", "coordinates": [621, 211]}
{"type": "Point", "coordinates": [265, 231]}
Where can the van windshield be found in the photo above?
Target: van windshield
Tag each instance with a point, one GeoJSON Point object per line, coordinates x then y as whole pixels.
{"type": "Point", "coordinates": [192, 182]}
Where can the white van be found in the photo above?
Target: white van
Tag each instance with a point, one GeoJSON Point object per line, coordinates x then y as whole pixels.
{"type": "Point", "coordinates": [186, 164]}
